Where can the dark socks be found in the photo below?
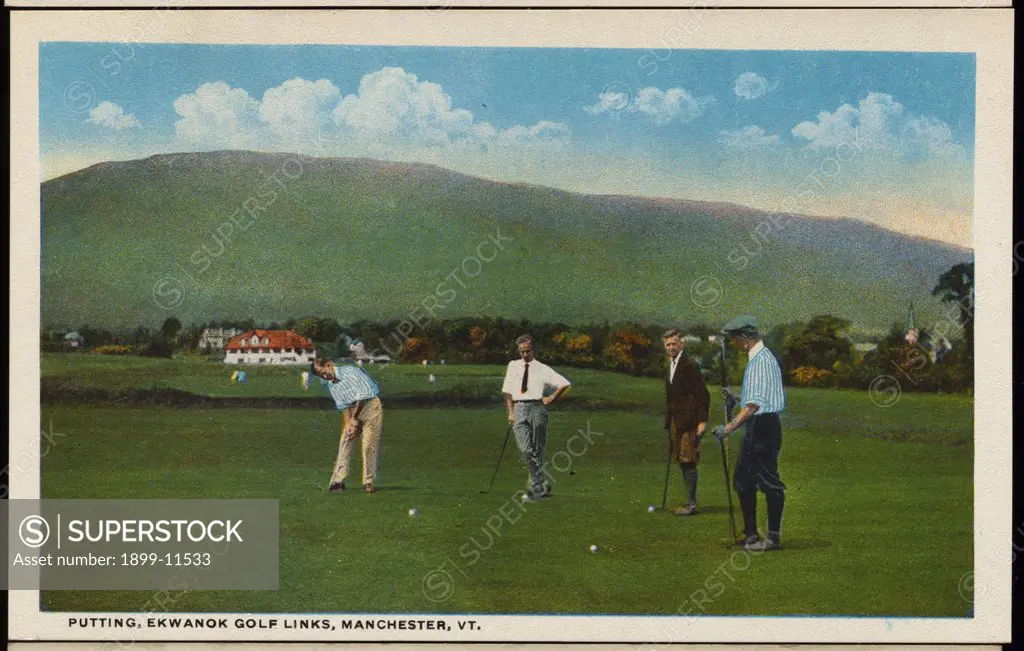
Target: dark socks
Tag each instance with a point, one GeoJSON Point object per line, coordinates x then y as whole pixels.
{"type": "Point", "coordinates": [690, 477]}
{"type": "Point", "coordinates": [748, 504]}
{"type": "Point", "coordinates": [775, 501]}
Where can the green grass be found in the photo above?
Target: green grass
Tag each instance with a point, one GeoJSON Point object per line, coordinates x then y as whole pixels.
{"type": "Point", "coordinates": [878, 516]}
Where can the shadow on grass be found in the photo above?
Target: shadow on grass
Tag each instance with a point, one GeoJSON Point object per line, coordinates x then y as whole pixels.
{"type": "Point", "coordinates": [805, 543]}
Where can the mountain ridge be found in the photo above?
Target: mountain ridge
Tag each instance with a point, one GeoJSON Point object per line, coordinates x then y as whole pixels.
{"type": "Point", "coordinates": [675, 202]}
{"type": "Point", "coordinates": [120, 225]}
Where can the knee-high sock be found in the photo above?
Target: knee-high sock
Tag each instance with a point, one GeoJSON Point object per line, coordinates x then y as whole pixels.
{"type": "Point", "coordinates": [775, 500]}
{"type": "Point", "coordinates": [690, 477]}
{"type": "Point", "coordinates": [748, 504]}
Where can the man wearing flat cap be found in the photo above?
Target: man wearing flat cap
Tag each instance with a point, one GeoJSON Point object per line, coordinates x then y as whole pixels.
{"type": "Point", "coordinates": [762, 400]}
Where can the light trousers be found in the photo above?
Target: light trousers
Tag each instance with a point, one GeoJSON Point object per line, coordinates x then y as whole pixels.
{"type": "Point", "coordinates": [370, 428]}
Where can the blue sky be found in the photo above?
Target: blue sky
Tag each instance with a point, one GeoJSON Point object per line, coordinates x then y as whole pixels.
{"type": "Point", "coordinates": [886, 137]}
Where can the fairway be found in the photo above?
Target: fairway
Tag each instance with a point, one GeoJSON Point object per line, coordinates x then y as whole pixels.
{"type": "Point", "coordinates": [878, 516]}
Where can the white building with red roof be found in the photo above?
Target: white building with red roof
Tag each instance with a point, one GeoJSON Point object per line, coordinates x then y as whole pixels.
{"type": "Point", "coordinates": [269, 347]}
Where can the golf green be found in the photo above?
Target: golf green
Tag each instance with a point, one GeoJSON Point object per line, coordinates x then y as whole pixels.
{"type": "Point", "coordinates": [878, 517]}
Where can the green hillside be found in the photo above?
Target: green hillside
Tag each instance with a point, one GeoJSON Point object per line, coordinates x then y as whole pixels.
{"type": "Point", "coordinates": [354, 238]}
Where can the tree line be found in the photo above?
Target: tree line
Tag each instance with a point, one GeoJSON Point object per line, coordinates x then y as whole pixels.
{"type": "Point", "coordinates": [817, 353]}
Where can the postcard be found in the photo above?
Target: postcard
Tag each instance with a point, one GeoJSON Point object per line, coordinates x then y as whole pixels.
{"type": "Point", "coordinates": [661, 326]}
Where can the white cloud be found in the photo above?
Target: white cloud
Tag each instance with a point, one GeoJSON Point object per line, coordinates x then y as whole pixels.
{"type": "Point", "coordinates": [298, 108]}
{"type": "Point", "coordinates": [393, 106]}
{"type": "Point", "coordinates": [392, 112]}
{"type": "Point", "coordinates": [543, 130]}
{"type": "Point", "coordinates": [880, 123]}
{"type": "Point", "coordinates": [750, 85]}
{"type": "Point", "coordinates": [662, 106]}
{"type": "Point", "coordinates": [217, 115]}
{"type": "Point", "coordinates": [748, 137]}
{"type": "Point", "coordinates": [671, 104]}
{"type": "Point", "coordinates": [609, 102]}
{"type": "Point", "coordinates": [930, 136]}
{"type": "Point", "coordinates": [110, 115]}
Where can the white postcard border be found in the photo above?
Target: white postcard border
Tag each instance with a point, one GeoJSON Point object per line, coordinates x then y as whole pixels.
{"type": "Point", "coordinates": [988, 33]}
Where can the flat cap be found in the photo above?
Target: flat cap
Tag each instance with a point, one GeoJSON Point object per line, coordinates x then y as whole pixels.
{"type": "Point", "coordinates": [745, 323]}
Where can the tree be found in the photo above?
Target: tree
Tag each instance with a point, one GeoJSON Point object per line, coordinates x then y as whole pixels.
{"type": "Point", "coordinates": [309, 327]}
{"type": "Point", "coordinates": [189, 337]}
{"type": "Point", "coordinates": [627, 349]}
{"type": "Point", "coordinates": [95, 336]}
{"type": "Point", "coordinates": [573, 347]}
{"type": "Point", "coordinates": [328, 330]}
{"type": "Point", "coordinates": [170, 328]}
{"type": "Point", "coordinates": [416, 349]}
{"type": "Point", "coordinates": [776, 337]}
{"type": "Point", "coordinates": [160, 346]}
{"type": "Point", "coordinates": [821, 344]}
{"type": "Point", "coordinates": [957, 286]}
{"type": "Point", "coordinates": [140, 336]}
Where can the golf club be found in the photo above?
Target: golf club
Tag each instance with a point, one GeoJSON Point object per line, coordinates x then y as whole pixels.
{"type": "Point", "coordinates": [668, 466]}
{"type": "Point", "coordinates": [500, 455]}
{"type": "Point", "coordinates": [725, 447]}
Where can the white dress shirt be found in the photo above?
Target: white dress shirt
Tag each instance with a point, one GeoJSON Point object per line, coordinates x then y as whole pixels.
{"type": "Point", "coordinates": [672, 366]}
{"type": "Point", "coordinates": [541, 377]}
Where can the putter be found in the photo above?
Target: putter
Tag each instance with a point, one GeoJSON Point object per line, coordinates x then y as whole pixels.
{"type": "Point", "coordinates": [500, 455]}
{"type": "Point", "coordinates": [725, 450]}
{"type": "Point", "coordinates": [668, 466]}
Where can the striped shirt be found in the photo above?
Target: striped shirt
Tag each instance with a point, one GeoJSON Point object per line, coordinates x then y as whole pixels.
{"type": "Point", "coordinates": [762, 381]}
{"type": "Point", "coordinates": [352, 386]}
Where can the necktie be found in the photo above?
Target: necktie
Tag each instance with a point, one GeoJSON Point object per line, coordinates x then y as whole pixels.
{"type": "Point", "coordinates": [526, 376]}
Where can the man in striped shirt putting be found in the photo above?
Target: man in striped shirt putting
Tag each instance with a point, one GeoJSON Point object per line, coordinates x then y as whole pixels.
{"type": "Point", "coordinates": [355, 395]}
{"type": "Point", "coordinates": [762, 400]}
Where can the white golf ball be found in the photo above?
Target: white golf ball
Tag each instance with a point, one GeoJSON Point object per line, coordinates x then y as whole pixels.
{"type": "Point", "coordinates": [651, 509]}
{"type": "Point", "coordinates": [413, 512]}
{"type": "Point", "coordinates": [594, 548]}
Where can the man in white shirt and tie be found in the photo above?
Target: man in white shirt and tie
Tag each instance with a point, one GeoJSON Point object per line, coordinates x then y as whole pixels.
{"type": "Point", "coordinates": [523, 392]}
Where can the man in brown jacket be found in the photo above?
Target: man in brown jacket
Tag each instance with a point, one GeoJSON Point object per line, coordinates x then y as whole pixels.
{"type": "Point", "coordinates": [686, 414]}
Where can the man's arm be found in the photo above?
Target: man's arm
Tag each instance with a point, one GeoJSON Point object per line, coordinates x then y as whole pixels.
{"type": "Point", "coordinates": [508, 407]}
{"type": "Point", "coordinates": [753, 390]}
{"type": "Point", "coordinates": [695, 386]}
{"type": "Point", "coordinates": [506, 392]}
{"type": "Point", "coordinates": [355, 409]}
{"type": "Point", "coordinates": [547, 400]}
{"type": "Point", "coordinates": [748, 412]}
{"type": "Point", "coordinates": [348, 423]}
{"type": "Point", "coordinates": [560, 383]}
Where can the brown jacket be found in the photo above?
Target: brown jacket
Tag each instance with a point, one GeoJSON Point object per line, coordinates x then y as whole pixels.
{"type": "Point", "coordinates": [686, 397]}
